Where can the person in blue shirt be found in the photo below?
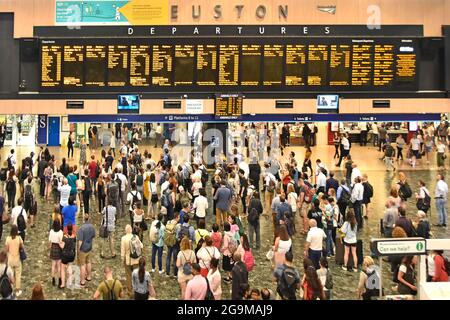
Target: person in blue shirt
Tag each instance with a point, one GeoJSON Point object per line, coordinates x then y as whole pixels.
{"type": "Point", "coordinates": [186, 229]}
{"type": "Point", "coordinates": [282, 208]}
{"type": "Point", "coordinates": [69, 213]}
{"type": "Point", "coordinates": [331, 183]}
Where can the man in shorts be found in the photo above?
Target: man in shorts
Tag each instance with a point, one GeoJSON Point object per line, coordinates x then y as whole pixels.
{"type": "Point", "coordinates": [85, 237]}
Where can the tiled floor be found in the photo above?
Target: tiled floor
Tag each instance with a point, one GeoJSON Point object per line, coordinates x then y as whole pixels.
{"type": "Point", "coordinates": [37, 266]}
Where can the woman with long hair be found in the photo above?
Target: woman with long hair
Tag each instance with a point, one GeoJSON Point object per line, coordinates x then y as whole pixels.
{"type": "Point", "coordinates": [101, 193]}
{"type": "Point", "coordinates": [215, 279]}
{"type": "Point", "coordinates": [349, 229]}
{"type": "Point", "coordinates": [395, 197]}
{"type": "Point", "coordinates": [13, 245]}
{"type": "Point", "coordinates": [68, 247]}
{"type": "Point", "coordinates": [312, 286]}
{"type": "Point", "coordinates": [48, 175]}
{"type": "Point", "coordinates": [55, 238]}
{"type": "Point", "coordinates": [153, 198]}
{"type": "Point", "coordinates": [38, 293]}
{"type": "Point", "coordinates": [406, 276]}
{"type": "Point", "coordinates": [185, 258]}
{"type": "Point", "coordinates": [142, 282]}
{"type": "Point", "coordinates": [70, 145]}
{"type": "Point", "coordinates": [283, 244]}
{"type": "Point", "coordinates": [83, 148]}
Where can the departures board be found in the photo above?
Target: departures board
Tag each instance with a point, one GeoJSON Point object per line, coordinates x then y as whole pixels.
{"type": "Point", "coordinates": [229, 65]}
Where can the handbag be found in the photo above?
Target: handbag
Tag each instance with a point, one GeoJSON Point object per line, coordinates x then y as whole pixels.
{"type": "Point", "coordinates": [22, 253]}
{"type": "Point", "coordinates": [269, 254]}
{"type": "Point", "coordinates": [209, 295]}
{"type": "Point", "coordinates": [103, 232]}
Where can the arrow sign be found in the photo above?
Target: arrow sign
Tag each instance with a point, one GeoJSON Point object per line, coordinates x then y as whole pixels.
{"type": "Point", "coordinates": [146, 12]}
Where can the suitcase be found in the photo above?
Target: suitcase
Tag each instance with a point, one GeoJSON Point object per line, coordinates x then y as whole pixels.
{"type": "Point", "coordinates": [339, 253]}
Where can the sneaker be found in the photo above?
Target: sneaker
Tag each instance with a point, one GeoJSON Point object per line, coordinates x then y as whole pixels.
{"type": "Point", "coordinates": [153, 270]}
{"type": "Point", "coordinates": [161, 271]}
{"type": "Point", "coordinates": [344, 268]}
{"type": "Point", "coordinates": [19, 293]}
{"type": "Point", "coordinates": [355, 270]}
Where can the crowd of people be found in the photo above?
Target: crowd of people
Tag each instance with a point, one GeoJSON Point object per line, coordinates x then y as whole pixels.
{"type": "Point", "coordinates": [208, 222]}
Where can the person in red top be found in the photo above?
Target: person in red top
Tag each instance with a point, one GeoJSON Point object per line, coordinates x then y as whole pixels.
{"type": "Point", "coordinates": [440, 274]}
{"type": "Point", "coordinates": [93, 171]}
{"type": "Point", "coordinates": [216, 236]}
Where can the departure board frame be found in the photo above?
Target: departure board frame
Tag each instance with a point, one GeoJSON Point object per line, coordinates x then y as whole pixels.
{"type": "Point", "coordinates": [395, 86]}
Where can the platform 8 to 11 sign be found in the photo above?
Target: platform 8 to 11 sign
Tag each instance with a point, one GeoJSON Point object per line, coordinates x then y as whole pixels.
{"type": "Point", "coordinates": [410, 246]}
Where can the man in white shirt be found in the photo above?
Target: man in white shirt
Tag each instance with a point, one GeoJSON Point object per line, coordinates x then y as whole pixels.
{"type": "Point", "coordinates": [269, 193]}
{"type": "Point", "coordinates": [345, 148]}
{"type": "Point", "coordinates": [321, 181]}
{"type": "Point", "coordinates": [415, 148]}
{"type": "Point", "coordinates": [64, 192]}
{"type": "Point", "coordinates": [123, 188]}
{"type": "Point", "coordinates": [441, 196]}
{"type": "Point", "coordinates": [201, 205]}
{"type": "Point", "coordinates": [11, 160]}
{"type": "Point", "coordinates": [355, 173]}
{"type": "Point", "coordinates": [314, 241]}
{"type": "Point", "coordinates": [356, 199]}
{"type": "Point", "coordinates": [158, 134]}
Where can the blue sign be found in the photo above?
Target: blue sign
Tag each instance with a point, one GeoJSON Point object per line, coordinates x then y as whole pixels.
{"type": "Point", "coordinates": [347, 117]}
{"type": "Point", "coordinates": [42, 129]}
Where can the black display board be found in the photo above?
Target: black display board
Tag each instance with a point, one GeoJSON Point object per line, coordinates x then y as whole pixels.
{"type": "Point", "coordinates": [228, 106]}
{"type": "Point", "coordinates": [229, 65]}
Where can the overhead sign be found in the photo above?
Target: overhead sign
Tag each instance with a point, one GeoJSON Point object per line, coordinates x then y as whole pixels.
{"type": "Point", "coordinates": [111, 12]}
{"type": "Point", "coordinates": [106, 118]}
{"type": "Point", "coordinates": [42, 129]}
{"type": "Point", "coordinates": [407, 246]}
{"type": "Point", "coordinates": [194, 106]}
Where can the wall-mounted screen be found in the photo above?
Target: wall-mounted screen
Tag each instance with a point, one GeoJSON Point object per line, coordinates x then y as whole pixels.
{"type": "Point", "coordinates": [128, 103]}
{"type": "Point", "coordinates": [328, 103]}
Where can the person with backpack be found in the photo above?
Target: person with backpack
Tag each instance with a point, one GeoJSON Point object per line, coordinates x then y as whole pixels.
{"type": "Point", "coordinates": [404, 190]}
{"type": "Point", "coordinates": [19, 218]}
{"type": "Point", "coordinates": [205, 254]}
{"type": "Point", "coordinates": [133, 198]}
{"type": "Point", "coordinates": [367, 195]}
{"type": "Point", "coordinates": [423, 197]}
{"type": "Point", "coordinates": [239, 277]}
{"type": "Point", "coordinates": [369, 280]}
{"type": "Point", "coordinates": [389, 154]}
{"type": "Point", "coordinates": [6, 278]}
{"type": "Point", "coordinates": [185, 258]}
{"type": "Point", "coordinates": [13, 246]}
{"type": "Point", "coordinates": [255, 209]}
{"type": "Point", "coordinates": [123, 184]}
{"type": "Point", "coordinates": [287, 278]}
{"type": "Point", "coordinates": [304, 199]}
{"type": "Point", "coordinates": [406, 276]}
{"type": "Point", "coordinates": [201, 233]}
{"type": "Point", "coordinates": [157, 230]}
{"type": "Point", "coordinates": [109, 215]}
{"type": "Point", "coordinates": [130, 253]}
{"type": "Point", "coordinates": [170, 240]}
{"type": "Point", "coordinates": [142, 283]}
{"type": "Point", "coordinates": [110, 288]}
{"type": "Point", "coordinates": [68, 246]}
{"type": "Point", "coordinates": [246, 253]}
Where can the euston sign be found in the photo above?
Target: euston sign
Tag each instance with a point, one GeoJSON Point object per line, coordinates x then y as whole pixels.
{"type": "Point", "coordinates": [408, 246]}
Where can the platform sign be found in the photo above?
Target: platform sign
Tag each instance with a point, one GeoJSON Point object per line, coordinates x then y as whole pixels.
{"type": "Point", "coordinates": [403, 247]}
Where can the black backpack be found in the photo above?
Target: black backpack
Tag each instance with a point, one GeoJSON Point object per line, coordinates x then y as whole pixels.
{"type": "Point", "coordinates": [184, 232]}
{"type": "Point", "coordinates": [253, 217]}
{"type": "Point", "coordinates": [69, 249]}
{"type": "Point", "coordinates": [135, 198]}
{"type": "Point", "coordinates": [111, 293]}
{"type": "Point", "coordinates": [21, 223]}
{"type": "Point", "coordinates": [10, 166]}
{"type": "Point", "coordinates": [5, 285]}
{"type": "Point", "coordinates": [3, 174]}
{"type": "Point", "coordinates": [87, 184]}
{"type": "Point", "coordinates": [286, 285]}
{"type": "Point", "coordinates": [405, 191]}
{"type": "Point", "coordinates": [28, 195]}
{"type": "Point", "coordinates": [345, 197]}
{"type": "Point", "coordinates": [369, 190]}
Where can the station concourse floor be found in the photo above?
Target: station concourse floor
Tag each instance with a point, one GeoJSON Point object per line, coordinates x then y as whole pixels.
{"type": "Point", "coordinates": [37, 267]}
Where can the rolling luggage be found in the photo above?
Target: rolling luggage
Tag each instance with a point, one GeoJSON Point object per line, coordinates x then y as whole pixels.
{"type": "Point", "coordinates": [339, 257]}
